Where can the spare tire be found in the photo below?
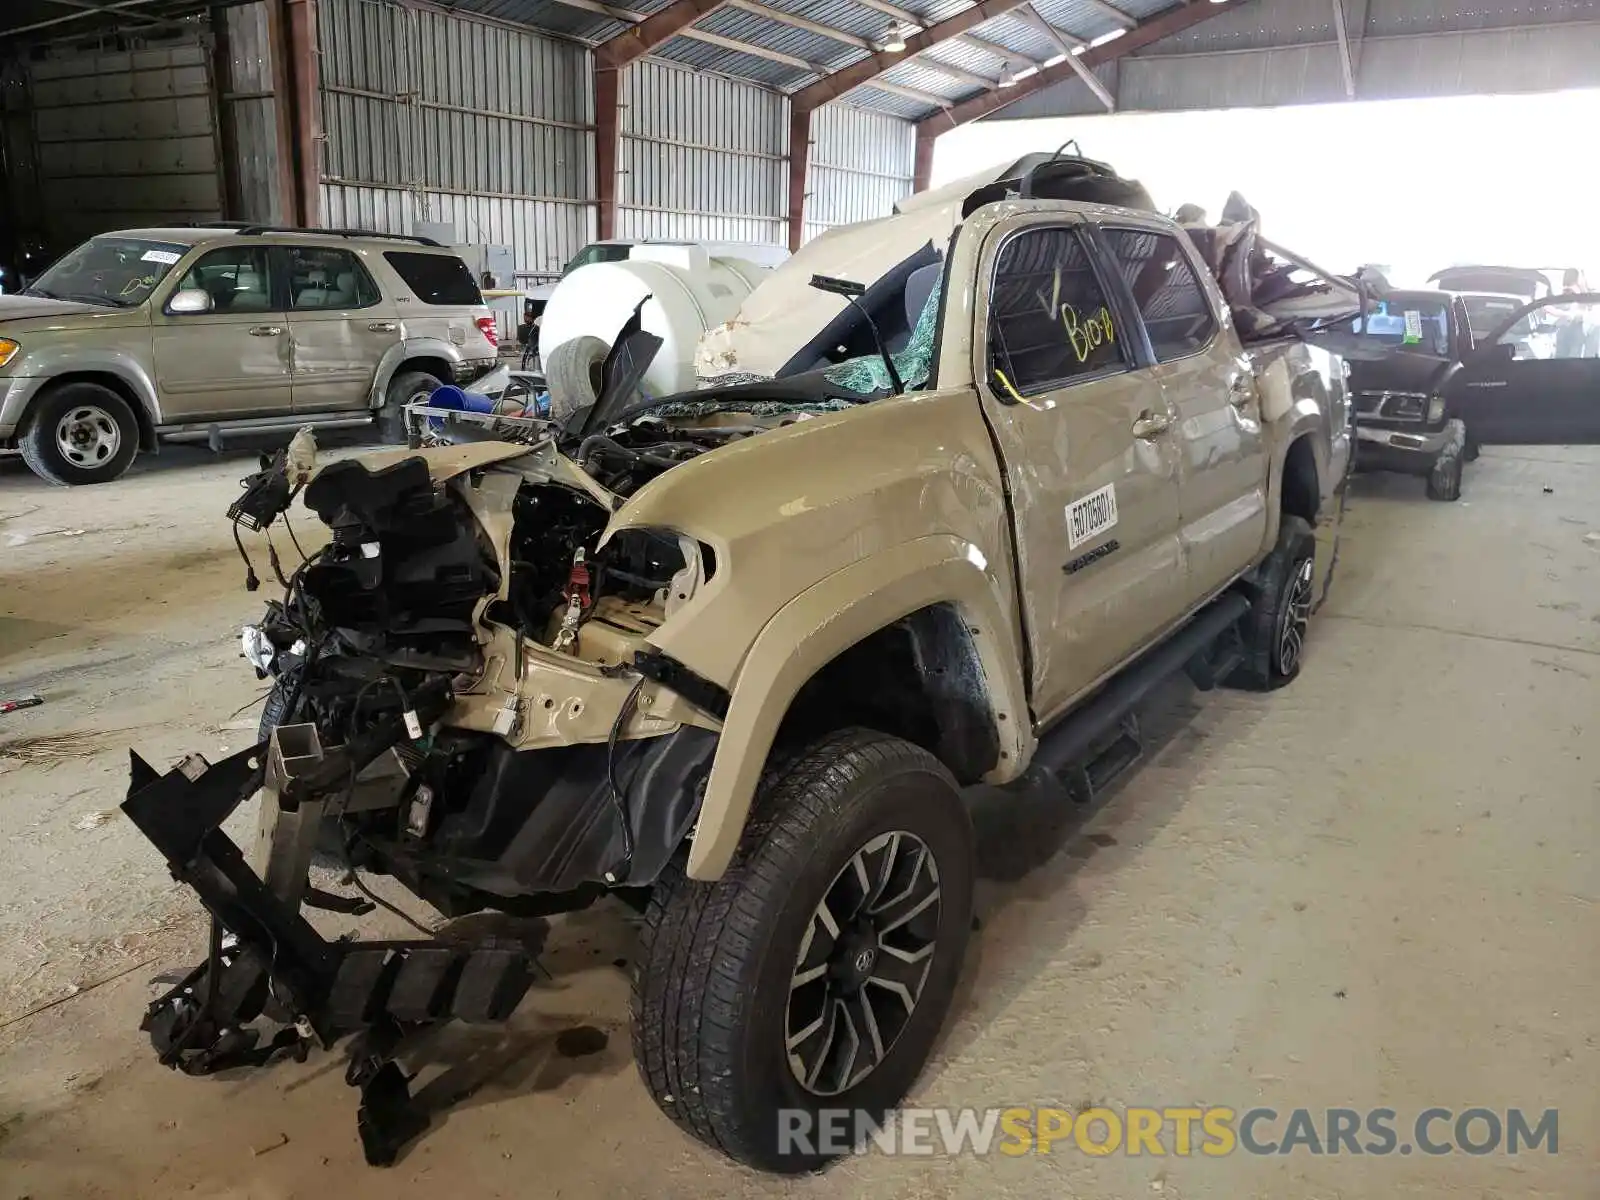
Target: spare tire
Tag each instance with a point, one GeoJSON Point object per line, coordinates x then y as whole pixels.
{"type": "Point", "coordinates": [574, 375]}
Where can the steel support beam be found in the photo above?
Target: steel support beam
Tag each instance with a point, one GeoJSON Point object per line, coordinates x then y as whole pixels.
{"type": "Point", "coordinates": [868, 69]}
{"type": "Point", "coordinates": [923, 171]}
{"type": "Point", "coordinates": [86, 10]}
{"type": "Point", "coordinates": [607, 141]}
{"type": "Point", "coordinates": [288, 204]}
{"type": "Point", "coordinates": [1147, 33]}
{"type": "Point", "coordinates": [1346, 61]}
{"type": "Point", "coordinates": [796, 21]}
{"type": "Point", "coordinates": [305, 79]}
{"type": "Point", "coordinates": [1092, 81]}
{"type": "Point", "coordinates": [1063, 42]}
{"type": "Point", "coordinates": [655, 30]}
{"type": "Point", "coordinates": [799, 167]}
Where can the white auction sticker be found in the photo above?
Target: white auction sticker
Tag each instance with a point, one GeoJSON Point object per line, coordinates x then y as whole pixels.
{"type": "Point", "coordinates": [165, 257]}
{"type": "Point", "coordinates": [1091, 516]}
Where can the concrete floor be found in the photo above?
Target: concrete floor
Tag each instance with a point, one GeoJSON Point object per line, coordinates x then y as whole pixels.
{"type": "Point", "coordinates": [1379, 888]}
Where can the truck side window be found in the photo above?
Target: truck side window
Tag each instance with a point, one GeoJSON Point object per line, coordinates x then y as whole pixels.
{"type": "Point", "coordinates": [1174, 307]}
{"type": "Point", "coordinates": [1049, 321]}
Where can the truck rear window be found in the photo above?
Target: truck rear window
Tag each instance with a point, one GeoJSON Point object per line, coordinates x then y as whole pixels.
{"type": "Point", "coordinates": [436, 278]}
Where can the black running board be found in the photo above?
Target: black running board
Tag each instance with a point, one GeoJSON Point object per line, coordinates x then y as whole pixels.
{"type": "Point", "coordinates": [1093, 728]}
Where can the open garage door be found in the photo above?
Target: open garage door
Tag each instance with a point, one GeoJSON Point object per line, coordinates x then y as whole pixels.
{"type": "Point", "coordinates": [124, 139]}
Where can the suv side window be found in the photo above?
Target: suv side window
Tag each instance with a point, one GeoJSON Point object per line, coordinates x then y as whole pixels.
{"type": "Point", "coordinates": [324, 277]}
{"type": "Point", "coordinates": [1049, 321]}
{"type": "Point", "coordinates": [235, 277]}
{"type": "Point", "coordinates": [436, 278]}
{"type": "Point", "coordinates": [1174, 306]}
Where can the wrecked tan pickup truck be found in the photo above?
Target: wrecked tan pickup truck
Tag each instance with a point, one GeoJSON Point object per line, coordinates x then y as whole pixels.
{"type": "Point", "coordinates": [961, 486]}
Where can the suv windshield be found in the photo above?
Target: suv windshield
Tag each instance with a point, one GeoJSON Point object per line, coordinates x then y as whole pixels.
{"type": "Point", "coordinates": [1422, 325]}
{"type": "Point", "coordinates": [115, 271]}
{"type": "Point", "coordinates": [597, 253]}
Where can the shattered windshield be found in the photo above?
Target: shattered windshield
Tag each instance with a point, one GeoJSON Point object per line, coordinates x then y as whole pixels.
{"type": "Point", "coordinates": [1420, 325]}
{"type": "Point", "coordinates": [118, 272]}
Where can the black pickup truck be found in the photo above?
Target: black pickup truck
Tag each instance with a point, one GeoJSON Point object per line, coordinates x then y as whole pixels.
{"type": "Point", "coordinates": [1403, 417]}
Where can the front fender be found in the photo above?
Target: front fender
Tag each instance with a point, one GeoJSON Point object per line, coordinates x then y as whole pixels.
{"type": "Point", "coordinates": [818, 625]}
{"type": "Point", "coordinates": [50, 363]}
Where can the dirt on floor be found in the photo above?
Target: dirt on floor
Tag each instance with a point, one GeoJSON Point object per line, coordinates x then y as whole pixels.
{"type": "Point", "coordinates": [1379, 888]}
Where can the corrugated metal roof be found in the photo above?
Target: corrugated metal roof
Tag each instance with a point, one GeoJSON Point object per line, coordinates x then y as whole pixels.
{"type": "Point", "coordinates": [887, 103]}
{"type": "Point", "coordinates": [913, 73]}
{"type": "Point", "coordinates": [705, 57]}
{"type": "Point", "coordinates": [762, 31]}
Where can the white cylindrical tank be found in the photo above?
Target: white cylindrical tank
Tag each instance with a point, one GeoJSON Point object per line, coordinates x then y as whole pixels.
{"type": "Point", "coordinates": [689, 292]}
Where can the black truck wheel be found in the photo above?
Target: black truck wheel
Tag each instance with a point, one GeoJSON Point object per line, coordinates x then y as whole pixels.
{"type": "Point", "coordinates": [1444, 478]}
{"type": "Point", "coordinates": [817, 972]}
{"type": "Point", "coordinates": [1273, 632]}
{"type": "Point", "coordinates": [79, 433]}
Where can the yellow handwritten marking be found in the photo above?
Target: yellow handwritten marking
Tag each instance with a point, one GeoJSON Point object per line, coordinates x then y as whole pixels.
{"type": "Point", "coordinates": [1088, 335]}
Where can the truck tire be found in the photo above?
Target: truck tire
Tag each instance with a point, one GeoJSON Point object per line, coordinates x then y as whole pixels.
{"type": "Point", "coordinates": [572, 375]}
{"type": "Point", "coordinates": [1444, 477]}
{"type": "Point", "coordinates": [404, 388]}
{"type": "Point", "coordinates": [79, 433]}
{"type": "Point", "coordinates": [1273, 632]}
{"type": "Point", "coordinates": [727, 1040]}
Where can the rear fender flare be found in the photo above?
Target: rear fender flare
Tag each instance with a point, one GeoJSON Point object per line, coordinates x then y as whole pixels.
{"type": "Point", "coordinates": [813, 629]}
{"type": "Point", "coordinates": [401, 351]}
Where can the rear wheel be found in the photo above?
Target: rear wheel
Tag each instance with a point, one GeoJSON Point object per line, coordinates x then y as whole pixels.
{"type": "Point", "coordinates": [1274, 630]}
{"type": "Point", "coordinates": [80, 433]}
{"type": "Point", "coordinates": [817, 972]}
{"type": "Point", "coordinates": [405, 388]}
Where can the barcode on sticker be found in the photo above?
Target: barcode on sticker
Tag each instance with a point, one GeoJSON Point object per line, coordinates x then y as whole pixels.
{"type": "Point", "coordinates": [1091, 516]}
{"type": "Point", "coordinates": [165, 257]}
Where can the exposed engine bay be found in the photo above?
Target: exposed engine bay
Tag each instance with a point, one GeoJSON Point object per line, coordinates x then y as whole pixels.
{"type": "Point", "coordinates": [464, 698]}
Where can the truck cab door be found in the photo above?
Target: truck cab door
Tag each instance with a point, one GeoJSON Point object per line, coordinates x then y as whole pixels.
{"type": "Point", "coordinates": [1222, 452]}
{"type": "Point", "coordinates": [1536, 378]}
{"type": "Point", "coordinates": [1083, 429]}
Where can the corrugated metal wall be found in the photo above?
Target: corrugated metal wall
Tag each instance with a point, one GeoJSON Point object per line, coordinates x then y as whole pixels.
{"type": "Point", "coordinates": [124, 139]}
{"type": "Point", "coordinates": [861, 164]}
{"type": "Point", "coordinates": [430, 117]}
{"type": "Point", "coordinates": [249, 112]}
{"type": "Point", "coordinates": [702, 157]}
{"type": "Point", "coordinates": [1288, 53]}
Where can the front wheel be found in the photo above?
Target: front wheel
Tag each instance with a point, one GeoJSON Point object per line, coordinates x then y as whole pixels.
{"type": "Point", "coordinates": [1444, 478]}
{"type": "Point", "coordinates": [1274, 630]}
{"type": "Point", "coordinates": [815, 975]}
{"type": "Point", "coordinates": [80, 433]}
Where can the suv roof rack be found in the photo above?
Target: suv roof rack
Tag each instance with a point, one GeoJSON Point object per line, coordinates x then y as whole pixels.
{"type": "Point", "coordinates": [249, 230]}
{"type": "Point", "coordinates": [255, 228]}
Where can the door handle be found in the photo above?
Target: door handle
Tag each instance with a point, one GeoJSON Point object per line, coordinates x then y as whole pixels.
{"type": "Point", "coordinates": [265, 330]}
{"type": "Point", "coordinates": [1150, 424]}
{"type": "Point", "coordinates": [383, 326]}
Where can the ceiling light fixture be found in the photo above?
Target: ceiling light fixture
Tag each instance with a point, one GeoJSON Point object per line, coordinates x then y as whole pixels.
{"type": "Point", "coordinates": [1107, 37]}
{"type": "Point", "coordinates": [894, 39]}
{"type": "Point", "coordinates": [1007, 79]}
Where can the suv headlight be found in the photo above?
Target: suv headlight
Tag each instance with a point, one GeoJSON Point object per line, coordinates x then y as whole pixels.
{"type": "Point", "coordinates": [1435, 410]}
{"type": "Point", "coordinates": [8, 350]}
